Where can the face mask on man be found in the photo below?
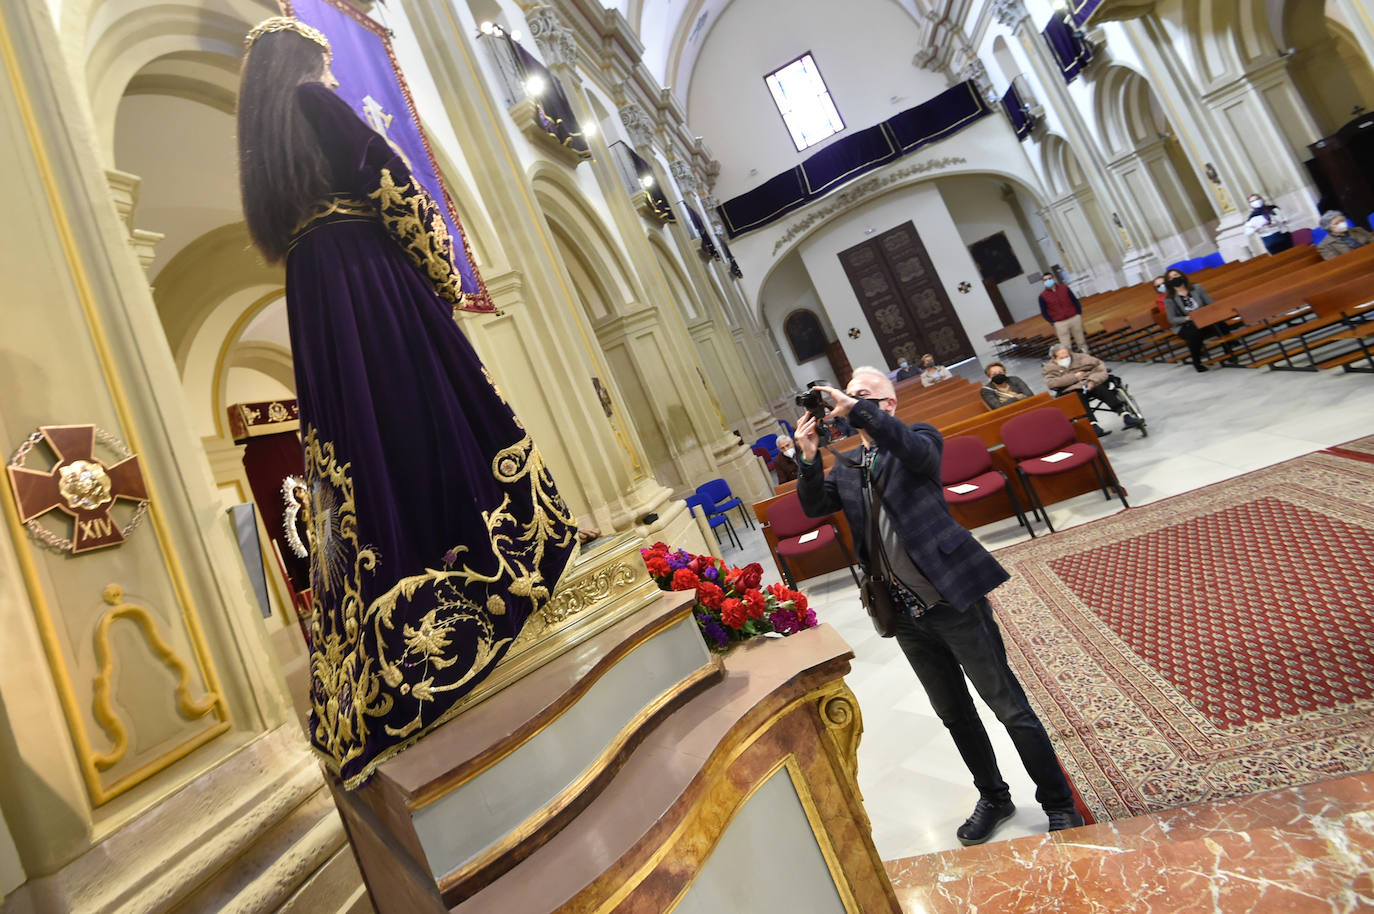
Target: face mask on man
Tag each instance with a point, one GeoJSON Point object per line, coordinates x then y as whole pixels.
{"type": "Point", "coordinates": [1065, 362]}
{"type": "Point", "coordinates": [1050, 284]}
{"type": "Point", "coordinates": [1340, 226]}
{"type": "Point", "coordinates": [904, 364]}
{"type": "Point", "coordinates": [1161, 287]}
{"type": "Point", "coordinates": [1256, 202]}
{"type": "Point", "coordinates": [787, 451]}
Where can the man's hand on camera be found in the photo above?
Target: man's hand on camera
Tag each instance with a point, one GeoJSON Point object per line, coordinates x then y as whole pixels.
{"type": "Point", "coordinates": [806, 437]}
{"type": "Point", "coordinates": [843, 402]}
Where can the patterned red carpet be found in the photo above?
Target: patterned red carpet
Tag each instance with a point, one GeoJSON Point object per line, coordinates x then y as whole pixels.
{"type": "Point", "coordinates": [1359, 449]}
{"type": "Point", "coordinates": [1212, 645]}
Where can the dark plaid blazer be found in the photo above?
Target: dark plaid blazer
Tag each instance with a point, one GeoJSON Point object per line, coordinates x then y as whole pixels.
{"type": "Point", "coordinates": [956, 563]}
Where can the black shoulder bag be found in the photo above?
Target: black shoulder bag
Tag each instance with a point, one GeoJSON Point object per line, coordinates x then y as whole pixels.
{"type": "Point", "coordinates": [875, 590]}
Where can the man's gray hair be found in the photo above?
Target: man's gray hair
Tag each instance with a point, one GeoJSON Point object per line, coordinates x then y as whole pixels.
{"type": "Point", "coordinates": [1056, 347]}
{"type": "Point", "coordinates": [1329, 217]}
{"type": "Point", "coordinates": [868, 369]}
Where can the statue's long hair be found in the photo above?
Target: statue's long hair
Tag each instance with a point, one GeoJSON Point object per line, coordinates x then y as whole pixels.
{"type": "Point", "coordinates": [282, 170]}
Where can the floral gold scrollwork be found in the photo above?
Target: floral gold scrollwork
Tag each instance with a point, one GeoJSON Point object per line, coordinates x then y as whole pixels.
{"type": "Point", "coordinates": [844, 726]}
{"type": "Point", "coordinates": [417, 224]}
{"type": "Point", "coordinates": [103, 709]}
{"type": "Point", "coordinates": [360, 669]}
{"type": "Point", "coordinates": [588, 591]}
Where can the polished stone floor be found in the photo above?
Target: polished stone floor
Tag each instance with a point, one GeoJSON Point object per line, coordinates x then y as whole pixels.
{"type": "Point", "coordinates": [1202, 428]}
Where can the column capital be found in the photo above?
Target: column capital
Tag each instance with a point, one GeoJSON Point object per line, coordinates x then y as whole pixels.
{"type": "Point", "coordinates": [638, 125]}
{"type": "Point", "coordinates": [684, 175]}
{"type": "Point", "coordinates": [554, 39]}
{"type": "Point", "coordinates": [1010, 13]}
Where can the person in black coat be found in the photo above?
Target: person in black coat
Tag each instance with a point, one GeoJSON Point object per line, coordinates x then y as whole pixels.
{"type": "Point", "coordinates": [943, 576]}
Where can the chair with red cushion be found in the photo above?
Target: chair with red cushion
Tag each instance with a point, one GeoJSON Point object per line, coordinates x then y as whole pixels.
{"type": "Point", "coordinates": [1040, 433]}
{"type": "Point", "coordinates": [790, 523]}
{"type": "Point", "coordinates": [967, 462]}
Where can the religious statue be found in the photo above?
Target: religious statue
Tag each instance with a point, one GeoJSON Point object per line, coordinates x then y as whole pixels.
{"type": "Point", "coordinates": [434, 528]}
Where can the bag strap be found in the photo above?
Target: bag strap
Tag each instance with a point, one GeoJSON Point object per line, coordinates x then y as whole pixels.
{"type": "Point", "coordinates": [876, 547]}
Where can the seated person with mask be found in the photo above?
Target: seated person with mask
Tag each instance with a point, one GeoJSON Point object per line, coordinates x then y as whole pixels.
{"type": "Point", "coordinates": [1086, 376]}
{"type": "Point", "coordinates": [1342, 237]}
{"type": "Point", "coordinates": [1002, 388]}
{"type": "Point", "coordinates": [785, 463]}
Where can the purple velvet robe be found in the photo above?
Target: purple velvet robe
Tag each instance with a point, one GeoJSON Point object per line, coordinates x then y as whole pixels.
{"type": "Point", "coordinates": [435, 528]}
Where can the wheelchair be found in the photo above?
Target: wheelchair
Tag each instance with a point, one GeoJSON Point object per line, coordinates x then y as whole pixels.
{"type": "Point", "coordinates": [1096, 405]}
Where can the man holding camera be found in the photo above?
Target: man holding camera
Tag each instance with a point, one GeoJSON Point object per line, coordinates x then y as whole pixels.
{"type": "Point", "coordinates": [943, 576]}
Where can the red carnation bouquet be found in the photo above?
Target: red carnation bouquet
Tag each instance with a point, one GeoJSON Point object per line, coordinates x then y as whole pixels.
{"type": "Point", "coordinates": [732, 605]}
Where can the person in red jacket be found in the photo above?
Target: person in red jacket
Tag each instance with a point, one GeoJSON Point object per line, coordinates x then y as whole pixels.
{"type": "Point", "coordinates": [1060, 307]}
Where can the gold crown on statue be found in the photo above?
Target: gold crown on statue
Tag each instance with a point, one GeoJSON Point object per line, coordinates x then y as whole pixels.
{"type": "Point", "coordinates": [287, 24]}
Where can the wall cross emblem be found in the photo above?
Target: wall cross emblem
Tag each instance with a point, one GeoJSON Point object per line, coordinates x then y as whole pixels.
{"type": "Point", "coordinates": [79, 485]}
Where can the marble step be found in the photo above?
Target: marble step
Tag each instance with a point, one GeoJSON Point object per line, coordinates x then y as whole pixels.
{"type": "Point", "coordinates": [1308, 848]}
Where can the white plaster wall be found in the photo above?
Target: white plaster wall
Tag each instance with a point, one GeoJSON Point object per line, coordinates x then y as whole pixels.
{"type": "Point", "coordinates": [788, 289]}
{"type": "Point", "coordinates": [922, 205]}
{"type": "Point", "coordinates": [864, 53]}
{"type": "Point", "coordinates": [979, 211]}
{"type": "Point", "coordinates": [987, 148]}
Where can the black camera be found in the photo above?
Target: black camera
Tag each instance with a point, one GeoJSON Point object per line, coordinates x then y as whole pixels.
{"type": "Point", "coordinates": [999, 379]}
{"type": "Point", "coordinates": [814, 403]}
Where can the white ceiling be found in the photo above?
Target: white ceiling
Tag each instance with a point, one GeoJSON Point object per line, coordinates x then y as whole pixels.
{"type": "Point", "coordinates": [673, 31]}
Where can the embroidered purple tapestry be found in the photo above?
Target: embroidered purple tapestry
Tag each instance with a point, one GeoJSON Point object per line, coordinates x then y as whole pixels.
{"type": "Point", "coordinates": [370, 81]}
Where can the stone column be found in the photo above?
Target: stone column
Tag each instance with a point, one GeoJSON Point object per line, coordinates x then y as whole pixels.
{"type": "Point", "coordinates": [1215, 133]}
{"type": "Point", "coordinates": [647, 334]}
{"type": "Point", "coordinates": [151, 758]}
{"type": "Point", "coordinates": [599, 462]}
{"type": "Point", "coordinates": [1123, 240]}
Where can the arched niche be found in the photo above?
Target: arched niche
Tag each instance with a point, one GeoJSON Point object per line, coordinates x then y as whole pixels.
{"type": "Point", "coordinates": [805, 335]}
{"type": "Point", "coordinates": [1331, 73]}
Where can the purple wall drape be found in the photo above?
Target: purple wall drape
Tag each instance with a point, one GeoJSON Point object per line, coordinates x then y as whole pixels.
{"type": "Point", "coordinates": [702, 231]}
{"type": "Point", "coordinates": [1016, 110]}
{"type": "Point", "coordinates": [370, 81]}
{"type": "Point", "coordinates": [554, 110]}
{"type": "Point", "coordinates": [852, 155]}
{"type": "Point", "coordinates": [1082, 10]}
{"type": "Point", "coordinates": [662, 208]}
{"type": "Point", "coordinates": [1070, 51]}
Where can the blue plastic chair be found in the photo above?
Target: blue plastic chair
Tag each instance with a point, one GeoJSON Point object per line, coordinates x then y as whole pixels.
{"type": "Point", "coordinates": [1318, 234]}
{"type": "Point", "coordinates": [1213, 259]}
{"type": "Point", "coordinates": [715, 520]}
{"type": "Point", "coordinates": [769, 443]}
{"type": "Point", "coordinates": [717, 499]}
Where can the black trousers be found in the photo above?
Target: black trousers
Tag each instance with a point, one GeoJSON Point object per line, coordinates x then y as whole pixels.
{"type": "Point", "coordinates": [1277, 242]}
{"type": "Point", "coordinates": [943, 646]}
{"type": "Point", "coordinates": [1105, 395]}
{"type": "Point", "coordinates": [1194, 337]}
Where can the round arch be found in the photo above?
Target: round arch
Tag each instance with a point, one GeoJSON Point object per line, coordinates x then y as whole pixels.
{"type": "Point", "coordinates": [782, 250]}
{"type": "Point", "coordinates": [562, 202]}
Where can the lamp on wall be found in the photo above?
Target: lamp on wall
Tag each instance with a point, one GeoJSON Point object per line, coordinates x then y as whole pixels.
{"type": "Point", "coordinates": [496, 29]}
{"type": "Point", "coordinates": [534, 86]}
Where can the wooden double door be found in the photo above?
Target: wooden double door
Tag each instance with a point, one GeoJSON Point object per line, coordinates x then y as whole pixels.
{"type": "Point", "coordinates": [904, 300]}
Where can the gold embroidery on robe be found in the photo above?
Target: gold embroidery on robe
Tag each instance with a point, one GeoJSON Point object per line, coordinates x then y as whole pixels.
{"type": "Point", "coordinates": [417, 224]}
{"type": "Point", "coordinates": [351, 690]}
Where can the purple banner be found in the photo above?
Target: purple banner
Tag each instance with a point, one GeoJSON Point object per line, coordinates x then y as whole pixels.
{"type": "Point", "coordinates": [370, 81]}
{"type": "Point", "coordinates": [1070, 51]}
{"type": "Point", "coordinates": [1082, 10]}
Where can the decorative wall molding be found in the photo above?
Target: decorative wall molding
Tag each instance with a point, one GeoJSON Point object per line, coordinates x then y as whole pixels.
{"type": "Point", "coordinates": [684, 175]}
{"type": "Point", "coordinates": [638, 126]}
{"type": "Point", "coordinates": [853, 194]}
{"type": "Point", "coordinates": [1010, 13]}
{"type": "Point", "coordinates": [554, 39]}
